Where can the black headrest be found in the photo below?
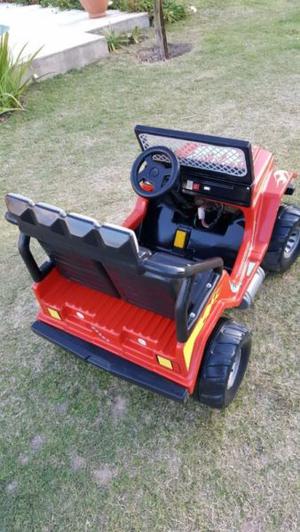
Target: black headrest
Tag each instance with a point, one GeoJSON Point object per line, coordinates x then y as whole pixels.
{"type": "Point", "coordinates": [55, 228]}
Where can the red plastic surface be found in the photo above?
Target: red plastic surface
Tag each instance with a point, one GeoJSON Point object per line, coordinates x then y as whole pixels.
{"type": "Point", "coordinates": [136, 334]}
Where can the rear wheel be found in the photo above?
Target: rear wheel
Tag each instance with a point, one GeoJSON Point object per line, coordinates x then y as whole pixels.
{"type": "Point", "coordinates": [284, 247]}
{"type": "Point", "coordinates": [224, 364]}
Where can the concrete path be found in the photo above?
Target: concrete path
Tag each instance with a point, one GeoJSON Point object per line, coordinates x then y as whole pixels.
{"type": "Point", "coordinates": [66, 39]}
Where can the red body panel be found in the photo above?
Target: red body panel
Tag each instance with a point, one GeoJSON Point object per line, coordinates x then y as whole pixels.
{"type": "Point", "coordinates": [139, 335]}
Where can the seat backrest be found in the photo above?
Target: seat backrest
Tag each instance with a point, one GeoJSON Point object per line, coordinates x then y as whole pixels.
{"type": "Point", "coordinates": [140, 276]}
{"type": "Point", "coordinates": [130, 272]}
{"type": "Point", "coordinates": [71, 241]}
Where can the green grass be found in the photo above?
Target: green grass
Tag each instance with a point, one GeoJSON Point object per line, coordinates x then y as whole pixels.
{"type": "Point", "coordinates": [80, 450]}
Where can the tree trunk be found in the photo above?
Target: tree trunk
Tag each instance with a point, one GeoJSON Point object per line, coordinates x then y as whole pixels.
{"type": "Point", "coordinates": [160, 30]}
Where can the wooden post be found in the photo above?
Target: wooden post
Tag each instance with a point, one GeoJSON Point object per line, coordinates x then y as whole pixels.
{"type": "Point", "coordinates": [160, 30]}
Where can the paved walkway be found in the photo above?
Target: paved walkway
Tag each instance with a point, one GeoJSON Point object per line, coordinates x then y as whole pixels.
{"type": "Point", "coordinates": [68, 39]}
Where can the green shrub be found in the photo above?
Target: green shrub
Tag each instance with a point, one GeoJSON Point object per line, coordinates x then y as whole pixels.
{"type": "Point", "coordinates": [136, 36]}
{"type": "Point", "coordinates": [61, 4]}
{"type": "Point", "coordinates": [133, 5]}
{"type": "Point", "coordinates": [13, 80]}
{"type": "Point", "coordinates": [173, 10]}
{"type": "Point", "coordinates": [115, 40]}
{"type": "Point", "coordinates": [22, 2]}
{"type": "Point", "coordinates": [118, 40]}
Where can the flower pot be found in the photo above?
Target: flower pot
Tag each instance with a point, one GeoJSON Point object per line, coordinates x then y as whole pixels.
{"type": "Point", "coordinates": [95, 8]}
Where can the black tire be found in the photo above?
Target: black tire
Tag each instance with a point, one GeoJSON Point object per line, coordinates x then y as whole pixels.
{"type": "Point", "coordinates": [226, 357]}
{"type": "Point", "coordinates": [284, 247]}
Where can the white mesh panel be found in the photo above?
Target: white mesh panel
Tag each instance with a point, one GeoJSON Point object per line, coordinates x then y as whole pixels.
{"type": "Point", "coordinates": [226, 160]}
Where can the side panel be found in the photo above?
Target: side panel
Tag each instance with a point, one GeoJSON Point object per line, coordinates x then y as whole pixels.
{"type": "Point", "coordinates": [137, 215]}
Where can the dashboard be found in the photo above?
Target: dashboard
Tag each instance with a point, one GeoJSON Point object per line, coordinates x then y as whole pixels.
{"type": "Point", "coordinates": [193, 183]}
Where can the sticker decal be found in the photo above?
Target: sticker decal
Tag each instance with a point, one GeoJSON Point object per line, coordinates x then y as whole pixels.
{"type": "Point", "coordinates": [189, 344]}
{"type": "Point", "coordinates": [281, 177]}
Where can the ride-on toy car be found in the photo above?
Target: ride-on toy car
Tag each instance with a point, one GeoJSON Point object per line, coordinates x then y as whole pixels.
{"type": "Point", "coordinates": [146, 300]}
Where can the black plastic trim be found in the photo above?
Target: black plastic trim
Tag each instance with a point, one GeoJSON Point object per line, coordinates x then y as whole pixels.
{"type": "Point", "coordinates": [9, 217]}
{"type": "Point", "coordinates": [185, 272]}
{"type": "Point", "coordinates": [103, 359]}
{"type": "Point", "coordinates": [183, 327]}
{"type": "Point", "coordinates": [38, 273]}
{"type": "Point", "coordinates": [289, 191]}
{"type": "Point", "coordinates": [220, 190]}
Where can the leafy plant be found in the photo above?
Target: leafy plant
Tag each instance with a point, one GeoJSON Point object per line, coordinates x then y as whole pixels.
{"type": "Point", "coordinates": [133, 5]}
{"type": "Point", "coordinates": [115, 40]}
{"type": "Point", "coordinates": [61, 4]}
{"type": "Point", "coordinates": [22, 2]}
{"type": "Point", "coordinates": [14, 78]}
{"type": "Point", "coordinates": [173, 10]}
{"type": "Point", "coordinates": [136, 36]}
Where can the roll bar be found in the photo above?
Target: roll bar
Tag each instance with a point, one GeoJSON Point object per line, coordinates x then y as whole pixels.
{"type": "Point", "coordinates": [184, 323]}
{"type": "Point", "coordinates": [38, 273]}
{"type": "Point", "coordinates": [190, 270]}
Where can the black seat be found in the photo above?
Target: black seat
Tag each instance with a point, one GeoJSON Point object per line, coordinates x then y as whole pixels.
{"type": "Point", "coordinates": [143, 281]}
{"type": "Point", "coordinates": [132, 275]}
{"type": "Point", "coordinates": [108, 258]}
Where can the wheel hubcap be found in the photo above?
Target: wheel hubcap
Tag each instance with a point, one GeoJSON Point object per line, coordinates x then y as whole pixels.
{"type": "Point", "coordinates": [292, 243]}
{"type": "Point", "coordinates": [234, 369]}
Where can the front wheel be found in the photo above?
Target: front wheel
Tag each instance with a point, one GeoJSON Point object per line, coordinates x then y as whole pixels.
{"type": "Point", "coordinates": [224, 364]}
{"type": "Point", "coordinates": [284, 247]}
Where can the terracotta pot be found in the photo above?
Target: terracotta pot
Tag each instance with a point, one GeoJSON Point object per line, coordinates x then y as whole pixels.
{"type": "Point", "coordinates": [95, 8]}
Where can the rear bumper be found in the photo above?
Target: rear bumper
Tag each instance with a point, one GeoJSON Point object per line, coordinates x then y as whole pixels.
{"type": "Point", "coordinates": [110, 362]}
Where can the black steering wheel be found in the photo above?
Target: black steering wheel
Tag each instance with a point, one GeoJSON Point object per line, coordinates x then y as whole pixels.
{"type": "Point", "coordinates": [154, 172]}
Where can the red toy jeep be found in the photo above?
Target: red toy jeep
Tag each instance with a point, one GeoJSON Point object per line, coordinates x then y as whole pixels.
{"type": "Point", "coordinates": [146, 300]}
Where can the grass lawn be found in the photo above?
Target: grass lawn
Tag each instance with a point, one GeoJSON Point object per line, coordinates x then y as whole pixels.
{"type": "Point", "coordinates": [79, 449]}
